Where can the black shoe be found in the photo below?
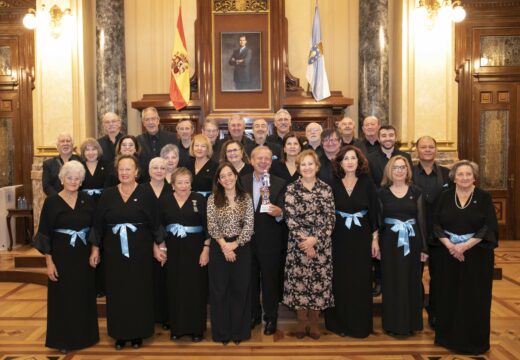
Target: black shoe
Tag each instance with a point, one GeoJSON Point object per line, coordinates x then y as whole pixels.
{"type": "Point", "coordinates": [225, 342]}
{"type": "Point", "coordinates": [137, 343]}
{"type": "Point", "coordinates": [165, 326]}
{"type": "Point", "coordinates": [100, 294]}
{"type": "Point", "coordinates": [255, 321]}
{"type": "Point", "coordinates": [120, 344]}
{"type": "Point", "coordinates": [376, 290]}
{"type": "Point", "coordinates": [270, 327]}
{"type": "Point", "coordinates": [237, 342]}
{"type": "Point", "coordinates": [174, 337]}
{"type": "Point", "coordinates": [432, 320]}
{"type": "Point", "coordinates": [196, 338]}
{"type": "Point", "coordinates": [63, 351]}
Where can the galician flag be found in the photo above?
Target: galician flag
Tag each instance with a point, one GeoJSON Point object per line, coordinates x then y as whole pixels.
{"type": "Point", "coordinates": [180, 70]}
{"type": "Point", "coordinates": [316, 74]}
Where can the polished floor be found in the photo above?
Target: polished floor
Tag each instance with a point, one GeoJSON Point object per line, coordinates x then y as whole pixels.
{"type": "Point", "coordinates": [23, 315]}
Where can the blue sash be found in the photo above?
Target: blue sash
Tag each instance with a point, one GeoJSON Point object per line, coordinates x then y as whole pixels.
{"type": "Point", "coordinates": [123, 236]}
{"type": "Point", "coordinates": [93, 191]}
{"type": "Point", "coordinates": [82, 234]}
{"type": "Point", "coordinates": [204, 193]}
{"type": "Point", "coordinates": [352, 217]}
{"type": "Point", "coordinates": [404, 229]}
{"type": "Point", "coordinates": [182, 231]}
{"type": "Point", "coordinates": [458, 239]}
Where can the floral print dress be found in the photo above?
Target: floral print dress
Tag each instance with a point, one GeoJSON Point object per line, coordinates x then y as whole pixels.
{"type": "Point", "coordinates": [308, 281]}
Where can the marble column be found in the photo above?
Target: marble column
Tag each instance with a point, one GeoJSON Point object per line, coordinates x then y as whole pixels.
{"type": "Point", "coordinates": [373, 60]}
{"type": "Point", "coordinates": [110, 60]}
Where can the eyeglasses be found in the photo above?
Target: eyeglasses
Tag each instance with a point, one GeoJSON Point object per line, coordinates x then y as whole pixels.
{"type": "Point", "coordinates": [399, 168]}
{"type": "Point", "coordinates": [231, 151]}
{"type": "Point", "coordinates": [331, 140]}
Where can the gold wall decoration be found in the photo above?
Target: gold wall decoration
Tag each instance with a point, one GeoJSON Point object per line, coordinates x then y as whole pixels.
{"type": "Point", "coordinates": [223, 6]}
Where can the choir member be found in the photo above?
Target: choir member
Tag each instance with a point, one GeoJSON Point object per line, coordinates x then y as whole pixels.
{"type": "Point", "coordinates": [466, 226]}
{"type": "Point", "coordinates": [185, 130]}
{"type": "Point", "coordinates": [211, 130]}
{"type": "Point", "coordinates": [230, 224]}
{"type": "Point", "coordinates": [159, 186]}
{"type": "Point", "coordinates": [112, 129]}
{"type": "Point", "coordinates": [309, 213]}
{"type": "Point", "coordinates": [331, 143]}
{"type": "Point", "coordinates": [432, 178]}
{"type": "Point", "coordinates": [285, 168]}
{"type": "Point", "coordinates": [65, 221]}
{"type": "Point", "coordinates": [127, 145]}
{"type": "Point", "coordinates": [186, 253]}
{"type": "Point", "coordinates": [354, 243]}
{"type": "Point", "coordinates": [232, 151]}
{"type": "Point", "coordinates": [282, 126]}
{"type": "Point", "coordinates": [201, 165]}
{"type": "Point", "coordinates": [51, 167]}
{"type": "Point", "coordinates": [96, 169]}
{"type": "Point", "coordinates": [125, 223]}
{"type": "Point", "coordinates": [403, 248]}
{"type": "Point", "coordinates": [170, 153]}
{"type": "Point", "coordinates": [97, 175]}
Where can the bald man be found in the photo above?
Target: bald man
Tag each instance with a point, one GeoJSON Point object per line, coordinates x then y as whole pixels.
{"type": "Point", "coordinates": [370, 128]}
{"type": "Point", "coordinates": [347, 129]}
{"type": "Point", "coordinates": [112, 130]}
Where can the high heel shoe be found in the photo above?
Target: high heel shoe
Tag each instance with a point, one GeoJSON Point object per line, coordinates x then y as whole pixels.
{"type": "Point", "coordinates": [120, 344]}
{"type": "Point", "coordinates": [137, 343]}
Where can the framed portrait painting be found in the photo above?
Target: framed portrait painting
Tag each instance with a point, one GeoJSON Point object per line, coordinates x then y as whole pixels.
{"type": "Point", "coordinates": [241, 62]}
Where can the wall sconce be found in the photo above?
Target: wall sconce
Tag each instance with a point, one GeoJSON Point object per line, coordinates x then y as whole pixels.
{"type": "Point", "coordinates": [429, 10]}
{"type": "Point", "coordinates": [54, 19]}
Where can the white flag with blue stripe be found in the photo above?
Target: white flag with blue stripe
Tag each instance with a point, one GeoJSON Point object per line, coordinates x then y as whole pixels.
{"type": "Point", "coordinates": [316, 74]}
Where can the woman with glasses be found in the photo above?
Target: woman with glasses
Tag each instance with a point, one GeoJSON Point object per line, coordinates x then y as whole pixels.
{"type": "Point", "coordinates": [65, 222]}
{"type": "Point", "coordinates": [466, 227]}
{"type": "Point", "coordinates": [403, 248]}
{"type": "Point", "coordinates": [354, 244]}
{"type": "Point", "coordinates": [185, 254]}
{"type": "Point", "coordinates": [232, 151]}
{"type": "Point", "coordinates": [230, 224]}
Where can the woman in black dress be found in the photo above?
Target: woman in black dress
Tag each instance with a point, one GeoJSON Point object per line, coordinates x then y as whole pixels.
{"type": "Point", "coordinates": [230, 224]}
{"type": "Point", "coordinates": [65, 221]}
{"type": "Point", "coordinates": [186, 252]}
{"type": "Point", "coordinates": [233, 152]}
{"type": "Point", "coordinates": [403, 248]}
{"type": "Point", "coordinates": [97, 173]}
{"type": "Point", "coordinates": [201, 165]}
{"type": "Point", "coordinates": [354, 243]}
{"type": "Point", "coordinates": [125, 223]}
{"type": "Point", "coordinates": [465, 223]}
{"type": "Point", "coordinates": [127, 145]}
{"type": "Point", "coordinates": [97, 170]}
{"type": "Point", "coordinates": [170, 153]}
{"type": "Point", "coordinates": [159, 186]}
{"type": "Point", "coordinates": [285, 168]}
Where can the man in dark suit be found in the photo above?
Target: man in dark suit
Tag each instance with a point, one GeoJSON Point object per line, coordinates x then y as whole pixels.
{"type": "Point", "coordinates": [377, 161]}
{"type": "Point", "coordinates": [51, 167]}
{"type": "Point", "coordinates": [331, 142]}
{"type": "Point", "coordinates": [266, 241]}
{"type": "Point", "coordinates": [260, 131]}
{"type": "Point", "coordinates": [347, 129]}
{"type": "Point", "coordinates": [236, 131]}
{"type": "Point", "coordinates": [241, 60]}
{"type": "Point", "coordinates": [112, 130]}
{"type": "Point", "coordinates": [152, 140]}
{"type": "Point", "coordinates": [282, 126]}
{"type": "Point", "coordinates": [370, 127]}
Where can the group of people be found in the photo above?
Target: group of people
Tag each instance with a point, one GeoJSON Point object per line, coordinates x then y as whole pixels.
{"type": "Point", "coordinates": [320, 224]}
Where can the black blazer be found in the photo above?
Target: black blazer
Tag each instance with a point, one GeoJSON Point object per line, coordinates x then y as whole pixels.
{"type": "Point", "coordinates": [51, 168]}
{"type": "Point", "coordinates": [267, 237]}
{"type": "Point", "coordinates": [146, 152]}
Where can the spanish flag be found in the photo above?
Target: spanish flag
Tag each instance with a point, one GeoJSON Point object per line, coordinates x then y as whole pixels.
{"type": "Point", "coordinates": [180, 70]}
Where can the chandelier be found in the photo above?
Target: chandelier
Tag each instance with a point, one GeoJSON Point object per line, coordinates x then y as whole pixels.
{"type": "Point", "coordinates": [429, 11]}
{"type": "Point", "coordinates": [54, 19]}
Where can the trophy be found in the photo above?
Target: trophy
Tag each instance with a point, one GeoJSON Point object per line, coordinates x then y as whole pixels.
{"type": "Point", "coordinates": [264, 192]}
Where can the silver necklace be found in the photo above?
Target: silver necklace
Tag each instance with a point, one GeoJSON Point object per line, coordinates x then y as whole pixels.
{"type": "Point", "coordinates": [457, 202]}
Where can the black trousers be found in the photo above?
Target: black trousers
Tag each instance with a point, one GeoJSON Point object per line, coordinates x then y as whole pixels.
{"type": "Point", "coordinates": [230, 294]}
{"type": "Point", "coordinates": [265, 279]}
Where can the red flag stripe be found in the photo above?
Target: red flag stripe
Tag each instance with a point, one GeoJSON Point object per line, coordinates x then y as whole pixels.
{"type": "Point", "coordinates": [180, 28]}
{"type": "Point", "coordinates": [176, 96]}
